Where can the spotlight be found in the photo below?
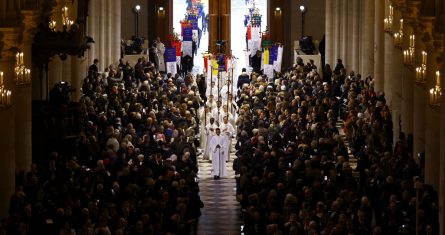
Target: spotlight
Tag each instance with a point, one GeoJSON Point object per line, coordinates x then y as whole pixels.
{"type": "Point", "coordinates": [302, 9]}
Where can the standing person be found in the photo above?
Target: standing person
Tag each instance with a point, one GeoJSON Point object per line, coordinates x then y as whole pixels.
{"type": "Point", "coordinates": [217, 146]}
{"type": "Point", "coordinates": [228, 130]}
{"type": "Point", "coordinates": [205, 119]}
{"type": "Point", "coordinates": [256, 62]}
{"type": "Point", "coordinates": [243, 78]}
{"type": "Point", "coordinates": [210, 132]}
{"type": "Point", "coordinates": [161, 50]}
{"type": "Point", "coordinates": [94, 68]}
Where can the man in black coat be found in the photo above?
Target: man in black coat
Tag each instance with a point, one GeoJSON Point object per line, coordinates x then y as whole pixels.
{"type": "Point", "coordinates": [243, 79]}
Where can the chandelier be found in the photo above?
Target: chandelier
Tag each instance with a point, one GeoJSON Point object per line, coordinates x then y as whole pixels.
{"type": "Point", "coordinates": [22, 74]}
{"type": "Point", "coordinates": [421, 70]}
{"type": "Point", "coordinates": [398, 37]}
{"type": "Point", "coordinates": [436, 92]}
{"type": "Point", "coordinates": [388, 21]}
{"type": "Point", "coordinates": [67, 23]}
{"type": "Point", "coordinates": [5, 95]}
{"type": "Point", "coordinates": [408, 54]}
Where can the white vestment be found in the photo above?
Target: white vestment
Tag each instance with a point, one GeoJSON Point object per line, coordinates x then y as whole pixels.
{"type": "Point", "coordinates": [217, 146]}
{"type": "Point", "coordinates": [222, 114]}
{"type": "Point", "coordinates": [161, 50]}
{"type": "Point", "coordinates": [205, 119]}
{"type": "Point", "coordinates": [212, 91]}
{"type": "Point", "coordinates": [227, 131]}
{"type": "Point", "coordinates": [210, 132]}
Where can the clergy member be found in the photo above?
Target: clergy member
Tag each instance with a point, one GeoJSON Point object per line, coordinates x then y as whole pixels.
{"type": "Point", "coordinates": [217, 146]}
{"type": "Point", "coordinates": [227, 130]}
{"type": "Point", "coordinates": [210, 132]}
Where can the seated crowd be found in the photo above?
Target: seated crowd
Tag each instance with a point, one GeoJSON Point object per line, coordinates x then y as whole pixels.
{"type": "Point", "coordinates": [296, 175]}
{"type": "Point", "coordinates": [135, 168]}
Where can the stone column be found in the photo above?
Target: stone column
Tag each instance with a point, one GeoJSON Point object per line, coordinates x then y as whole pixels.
{"type": "Point", "coordinates": [55, 71]}
{"type": "Point", "coordinates": [432, 120]}
{"type": "Point", "coordinates": [396, 73]}
{"type": "Point", "coordinates": [109, 55]}
{"type": "Point", "coordinates": [329, 34]}
{"type": "Point", "coordinates": [368, 39]}
{"type": "Point", "coordinates": [409, 21]}
{"type": "Point", "coordinates": [355, 36]}
{"type": "Point", "coordinates": [66, 69]}
{"type": "Point", "coordinates": [388, 64]}
{"type": "Point", "coordinates": [442, 154]}
{"type": "Point", "coordinates": [116, 35]}
{"type": "Point", "coordinates": [10, 39]}
{"type": "Point", "coordinates": [91, 20]}
{"type": "Point", "coordinates": [344, 34]}
{"type": "Point", "coordinates": [23, 127]}
{"type": "Point", "coordinates": [79, 72]}
{"type": "Point", "coordinates": [379, 45]}
{"type": "Point", "coordinates": [213, 25]}
{"type": "Point", "coordinates": [102, 35]}
{"type": "Point", "coordinates": [337, 40]}
{"type": "Point", "coordinates": [420, 90]}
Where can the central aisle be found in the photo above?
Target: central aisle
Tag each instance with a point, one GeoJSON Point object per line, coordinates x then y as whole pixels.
{"type": "Point", "coordinates": [221, 212]}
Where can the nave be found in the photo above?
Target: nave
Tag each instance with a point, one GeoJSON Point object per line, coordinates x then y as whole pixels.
{"type": "Point", "coordinates": [221, 212]}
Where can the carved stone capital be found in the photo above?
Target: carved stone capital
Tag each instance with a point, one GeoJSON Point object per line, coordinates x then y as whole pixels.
{"type": "Point", "coordinates": [9, 43]}
{"type": "Point", "coordinates": [30, 23]}
{"type": "Point", "coordinates": [425, 31]}
{"type": "Point", "coordinates": [398, 4]}
{"type": "Point", "coordinates": [411, 11]}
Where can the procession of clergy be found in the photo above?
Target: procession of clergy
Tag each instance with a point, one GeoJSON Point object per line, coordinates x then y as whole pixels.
{"type": "Point", "coordinates": [217, 129]}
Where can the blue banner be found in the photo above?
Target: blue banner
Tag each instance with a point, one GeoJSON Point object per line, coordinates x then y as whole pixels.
{"type": "Point", "coordinates": [273, 54]}
{"type": "Point", "coordinates": [170, 54]}
{"type": "Point", "coordinates": [188, 34]}
{"type": "Point", "coordinates": [193, 20]}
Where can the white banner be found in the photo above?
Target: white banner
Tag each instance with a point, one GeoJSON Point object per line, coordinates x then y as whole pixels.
{"type": "Point", "coordinates": [171, 68]}
{"type": "Point", "coordinates": [187, 48]}
{"type": "Point", "coordinates": [268, 70]}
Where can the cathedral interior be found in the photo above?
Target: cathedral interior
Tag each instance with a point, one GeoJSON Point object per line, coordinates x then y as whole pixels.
{"type": "Point", "coordinates": [48, 52]}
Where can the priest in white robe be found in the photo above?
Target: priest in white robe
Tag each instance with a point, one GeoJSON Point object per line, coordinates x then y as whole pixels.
{"type": "Point", "coordinates": [217, 147]}
{"type": "Point", "coordinates": [160, 52]}
{"type": "Point", "coordinates": [205, 119]}
{"type": "Point", "coordinates": [210, 132]}
{"type": "Point", "coordinates": [227, 130]}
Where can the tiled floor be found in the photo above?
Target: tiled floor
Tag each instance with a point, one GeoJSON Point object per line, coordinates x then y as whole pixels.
{"type": "Point", "coordinates": [221, 212]}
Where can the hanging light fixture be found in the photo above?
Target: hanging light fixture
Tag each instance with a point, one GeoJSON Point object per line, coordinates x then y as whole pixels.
{"type": "Point", "coordinates": [436, 92]}
{"type": "Point", "coordinates": [5, 95]}
{"type": "Point", "coordinates": [421, 69]}
{"type": "Point", "coordinates": [398, 37]}
{"type": "Point", "coordinates": [388, 20]}
{"type": "Point", "coordinates": [22, 74]}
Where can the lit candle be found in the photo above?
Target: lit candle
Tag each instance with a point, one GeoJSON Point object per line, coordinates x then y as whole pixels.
{"type": "Point", "coordinates": [438, 78]}
{"type": "Point", "coordinates": [401, 25]}
{"type": "Point", "coordinates": [391, 11]}
{"type": "Point", "coordinates": [1, 78]}
{"type": "Point", "coordinates": [21, 58]}
{"type": "Point", "coordinates": [424, 54]}
{"type": "Point", "coordinates": [9, 97]}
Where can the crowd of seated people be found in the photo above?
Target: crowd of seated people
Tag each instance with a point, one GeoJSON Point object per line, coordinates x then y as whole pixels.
{"type": "Point", "coordinates": [296, 176]}
{"type": "Point", "coordinates": [134, 170]}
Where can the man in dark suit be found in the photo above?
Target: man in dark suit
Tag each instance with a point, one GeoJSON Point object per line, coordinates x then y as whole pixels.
{"type": "Point", "coordinates": [256, 62]}
{"type": "Point", "coordinates": [243, 79]}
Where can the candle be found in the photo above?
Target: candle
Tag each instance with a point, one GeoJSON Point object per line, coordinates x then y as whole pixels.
{"type": "Point", "coordinates": [424, 54]}
{"type": "Point", "coordinates": [1, 78]}
{"type": "Point", "coordinates": [438, 78]}
{"type": "Point", "coordinates": [9, 98]}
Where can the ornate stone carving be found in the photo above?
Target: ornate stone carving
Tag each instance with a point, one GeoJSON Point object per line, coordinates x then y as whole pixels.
{"type": "Point", "coordinates": [30, 23]}
{"type": "Point", "coordinates": [9, 39]}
